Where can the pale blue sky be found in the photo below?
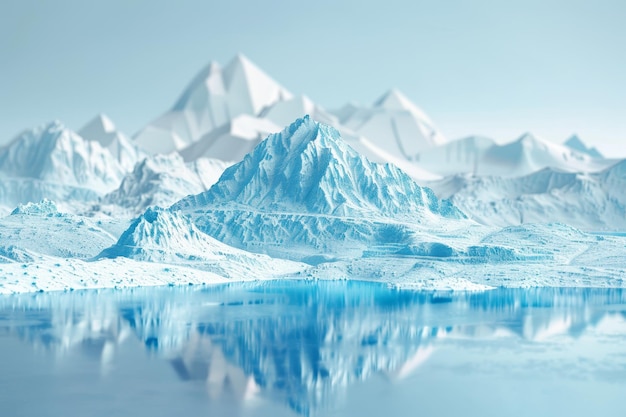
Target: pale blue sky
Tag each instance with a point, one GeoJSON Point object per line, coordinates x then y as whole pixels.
{"type": "Point", "coordinates": [496, 68]}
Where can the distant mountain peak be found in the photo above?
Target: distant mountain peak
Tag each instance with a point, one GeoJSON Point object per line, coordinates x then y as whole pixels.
{"type": "Point", "coordinates": [574, 142]}
{"type": "Point", "coordinates": [527, 137]}
{"type": "Point", "coordinates": [394, 100]}
{"type": "Point", "coordinates": [215, 96]}
{"type": "Point", "coordinates": [54, 153]}
{"type": "Point", "coordinates": [101, 123]}
{"type": "Point", "coordinates": [101, 129]}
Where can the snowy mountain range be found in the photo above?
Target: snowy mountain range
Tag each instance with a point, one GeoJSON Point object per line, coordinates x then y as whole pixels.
{"type": "Point", "coordinates": [306, 188]}
{"type": "Point", "coordinates": [589, 201]}
{"type": "Point", "coordinates": [54, 162]}
{"type": "Point", "coordinates": [102, 130]}
{"type": "Point", "coordinates": [483, 157]}
{"type": "Point", "coordinates": [342, 191]}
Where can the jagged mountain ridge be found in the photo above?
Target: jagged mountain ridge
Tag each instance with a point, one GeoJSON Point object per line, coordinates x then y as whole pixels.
{"type": "Point", "coordinates": [54, 162]}
{"type": "Point", "coordinates": [304, 192]}
{"type": "Point", "coordinates": [593, 201]}
{"type": "Point", "coordinates": [102, 130]}
{"type": "Point", "coordinates": [162, 180]}
{"type": "Point", "coordinates": [482, 156]}
{"type": "Point", "coordinates": [55, 153]}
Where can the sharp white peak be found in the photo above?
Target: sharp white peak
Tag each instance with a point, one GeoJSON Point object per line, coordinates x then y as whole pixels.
{"type": "Point", "coordinates": [214, 97]}
{"type": "Point", "coordinates": [102, 130]}
{"type": "Point", "coordinates": [394, 124]}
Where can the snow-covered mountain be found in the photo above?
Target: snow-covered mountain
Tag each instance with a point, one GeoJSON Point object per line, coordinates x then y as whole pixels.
{"type": "Point", "coordinates": [55, 153]}
{"type": "Point", "coordinates": [162, 180]}
{"type": "Point", "coordinates": [56, 163]}
{"type": "Point", "coordinates": [393, 124]}
{"type": "Point", "coordinates": [575, 143]}
{"type": "Point", "coordinates": [162, 236]}
{"type": "Point", "coordinates": [527, 154]}
{"type": "Point", "coordinates": [102, 130]}
{"type": "Point", "coordinates": [308, 168]}
{"type": "Point", "coordinates": [593, 201]}
{"type": "Point", "coordinates": [214, 97]}
{"type": "Point", "coordinates": [306, 187]}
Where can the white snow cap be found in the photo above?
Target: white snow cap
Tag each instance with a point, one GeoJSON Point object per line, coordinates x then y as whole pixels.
{"type": "Point", "coordinates": [213, 98]}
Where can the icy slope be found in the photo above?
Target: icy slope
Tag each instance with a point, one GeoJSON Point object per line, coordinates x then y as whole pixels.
{"type": "Point", "coordinates": [162, 236]}
{"type": "Point", "coordinates": [40, 229]}
{"type": "Point", "coordinates": [528, 154]}
{"type": "Point", "coordinates": [306, 188]}
{"type": "Point", "coordinates": [393, 124]}
{"type": "Point", "coordinates": [216, 96]}
{"type": "Point", "coordinates": [587, 201]}
{"type": "Point", "coordinates": [162, 180]}
{"type": "Point", "coordinates": [102, 130]}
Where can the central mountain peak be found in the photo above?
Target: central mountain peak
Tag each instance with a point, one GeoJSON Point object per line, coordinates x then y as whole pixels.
{"type": "Point", "coordinates": [308, 168]}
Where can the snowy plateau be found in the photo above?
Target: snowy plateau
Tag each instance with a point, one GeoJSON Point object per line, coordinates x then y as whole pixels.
{"type": "Point", "coordinates": [243, 180]}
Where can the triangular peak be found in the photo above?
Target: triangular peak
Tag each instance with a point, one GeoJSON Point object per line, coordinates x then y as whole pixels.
{"type": "Point", "coordinates": [209, 76]}
{"type": "Point", "coordinates": [528, 137]}
{"type": "Point", "coordinates": [574, 141]}
{"type": "Point", "coordinates": [263, 90]}
{"type": "Point", "coordinates": [394, 99]}
{"type": "Point", "coordinates": [101, 124]}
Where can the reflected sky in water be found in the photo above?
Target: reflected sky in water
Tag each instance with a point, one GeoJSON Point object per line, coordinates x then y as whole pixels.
{"type": "Point", "coordinates": [313, 349]}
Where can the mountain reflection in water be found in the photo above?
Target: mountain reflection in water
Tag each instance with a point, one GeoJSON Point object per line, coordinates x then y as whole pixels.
{"type": "Point", "coordinates": [299, 344]}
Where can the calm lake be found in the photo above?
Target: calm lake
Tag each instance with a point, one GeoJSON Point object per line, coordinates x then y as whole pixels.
{"type": "Point", "coordinates": [294, 348]}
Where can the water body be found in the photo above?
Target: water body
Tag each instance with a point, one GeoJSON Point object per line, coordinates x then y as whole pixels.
{"type": "Point", "coordinates": [313, 349]}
